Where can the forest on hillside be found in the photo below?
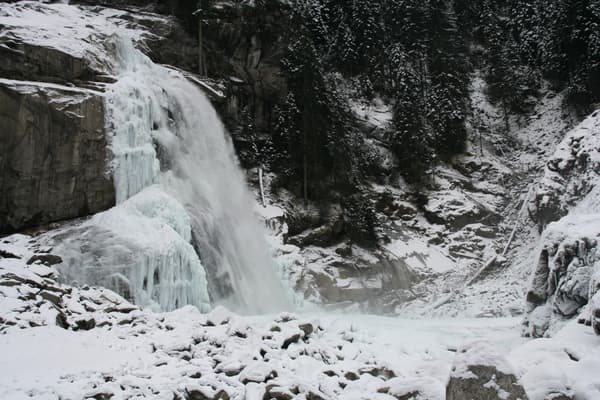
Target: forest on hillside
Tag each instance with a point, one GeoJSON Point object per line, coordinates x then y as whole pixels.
{"type": "Point", "coordinates": [418, 56]}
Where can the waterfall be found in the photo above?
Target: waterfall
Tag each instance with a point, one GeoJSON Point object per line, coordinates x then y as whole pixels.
{"type": "Point", "coordinates": [171, 149]}
{"type": "Point", "coordinates": [183, 226]}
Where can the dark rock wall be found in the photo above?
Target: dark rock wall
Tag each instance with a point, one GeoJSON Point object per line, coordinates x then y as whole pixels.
{"type": "Point", "coordinates": [53, 155]}
{"type": "Point", "coordinates": [29, 62]}
{"type": "Point", "coordinates": [244, 46]}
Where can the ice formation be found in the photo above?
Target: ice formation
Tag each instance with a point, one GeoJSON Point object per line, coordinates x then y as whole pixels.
{"type": "Point", "coordinates": [141, 249]}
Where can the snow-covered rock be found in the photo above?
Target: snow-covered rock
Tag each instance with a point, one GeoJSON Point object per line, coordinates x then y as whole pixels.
{"type": "Point", "coordinates": [571, 173]}
{"type": "Point", "coordinates": [480, 372]}
{"type": "Point", "coordinates": [60, 341]}
{"type": "Point", "coordinates": [562, 283]}
{"type": "Point", "coordinates": [568, 264]}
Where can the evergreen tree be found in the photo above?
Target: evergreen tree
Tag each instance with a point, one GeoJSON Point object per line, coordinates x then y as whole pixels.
{"type": "Point", "coordinates": [449, 80]}
{"type": "Point", "coordinates": [411, 140]}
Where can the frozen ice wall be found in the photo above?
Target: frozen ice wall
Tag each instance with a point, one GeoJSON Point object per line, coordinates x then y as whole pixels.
{"type": "Point", "coordinates": [154, 114]}
{"type": "Point", "coordinates": [140, 249]}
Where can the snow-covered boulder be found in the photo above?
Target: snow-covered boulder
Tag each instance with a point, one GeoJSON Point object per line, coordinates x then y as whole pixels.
{"type": "Point", "coordinates": [480, 372]}
{"type": "Point", "coordinates": [456, 209]}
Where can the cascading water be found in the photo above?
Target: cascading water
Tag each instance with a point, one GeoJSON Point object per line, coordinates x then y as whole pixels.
{"type": "Point", "coordinates": [155, 113]}
{"type": "Point", "coordinates": [200, 170]}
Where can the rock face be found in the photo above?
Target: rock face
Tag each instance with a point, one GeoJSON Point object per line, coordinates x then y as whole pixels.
{"type": "Point", "coordinates": [563, 281]}
{"type": "Point", "coordinates": [479, 372]}
{"type": "Point", "coordinates": [53, 162]}
{"type": "Point", "coordinates": [243, 45]}
{"type": "Point", "coordinates": [27, 61]}
{"type": "Point", "coordinates": [566, 275]}
{"type": "Point", "coordinates": [570, 174]}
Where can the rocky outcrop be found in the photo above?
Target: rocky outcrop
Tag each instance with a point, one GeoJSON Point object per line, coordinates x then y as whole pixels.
{"type": "Point", "coordinates": [457, 209]}
{"type": "Point", "coordinates": [566, 274]}
{"type": "Point", "coordinates": [53, 154]}
{"type": "Point", "coordinates": [563, 281]}
{"type": "Point", "coordinates": [570, 174]}
{"type": "Point", "coordinates": [480, 372]}
{"type": "Point", "coordinates": [375, 280]}
{"type": "Point", "coordinates": [26, 61]}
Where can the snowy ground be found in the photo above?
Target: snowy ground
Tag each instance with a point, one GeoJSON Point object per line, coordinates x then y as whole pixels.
{"type": "Point", "coordinates": [66, 342]}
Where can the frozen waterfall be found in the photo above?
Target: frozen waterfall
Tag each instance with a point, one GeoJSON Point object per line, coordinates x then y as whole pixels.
{"type": "Point", "coordinates": [171, 151]}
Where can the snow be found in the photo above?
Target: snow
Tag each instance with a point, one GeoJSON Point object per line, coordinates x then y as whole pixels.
{"type": "Point", "coordinates": [568, 259]}
{"type": "Point", "coordinates": [376, 113]}
{"type": "Point", "coordinates": [43, 356]}
{"type": "Point", "coordinates": [132, 352]}
{"type": "Point", "coordinates": [566, 363]}
{"type": "Point", "coordinates": [478, 353]}
{"type": "Point", "coordinates": [33, 86]}
{"type": "Point", "coordinates": [73, 30]}
{"type": "Point", "coordinates": [491, 180]}
{"type": "Point", "coordinates": [421, 256]}
{"type": "Point", "coordinates": [571, 174]}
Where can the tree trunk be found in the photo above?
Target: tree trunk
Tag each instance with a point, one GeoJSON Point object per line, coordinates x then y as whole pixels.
{"type": "Point", "coordinates": [201, 66]}
{"type": "Point", "coordinates": [506, 121]}
{"type": "Point", "coordinates": [305, 176]}
{"type": "Point", "coordinates": [262, 187]}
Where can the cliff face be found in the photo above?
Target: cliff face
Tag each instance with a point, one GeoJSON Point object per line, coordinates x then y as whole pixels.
{"type": "Point", "coordinates": [565, 205]}
{"type": "Point", "coordinates": [54, 147]}
{"type": "Point", "coordinates": [243, 46]}
{"type": "Point", "coordinates": [53, 150]}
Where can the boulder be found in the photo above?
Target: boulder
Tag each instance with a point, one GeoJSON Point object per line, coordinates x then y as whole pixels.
{"type": "Point", "coordinates": [46, 259]}
{"type": "Point", "coordinates": [295, 338]}
{"type": "Point", "coordinates": [480, 372]}
{"type": "Point", "coordinates": [422, 388]}
{"type": "Point", "coordinates": [456, 209]}
{"type": "Point", "coordinates": [86, 324]}
{"type": "Point", "coordinates": [323, 236]}
{"type": "Point", "coordinates": [278, 393]}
